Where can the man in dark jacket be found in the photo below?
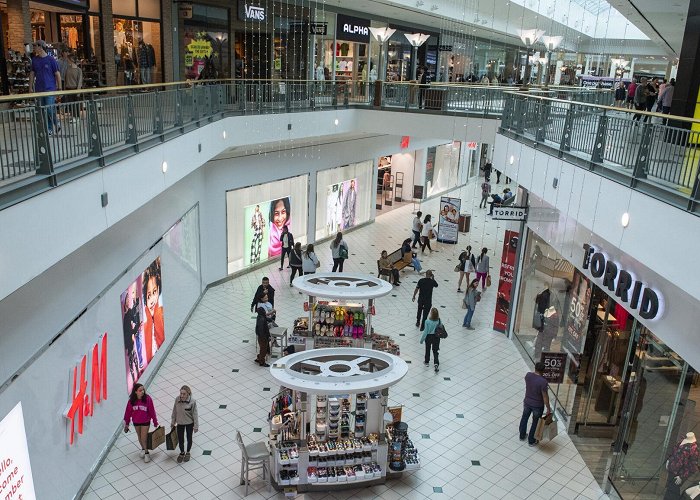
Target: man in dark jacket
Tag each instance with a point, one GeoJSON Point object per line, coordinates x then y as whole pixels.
{"type": "Point", "coordinates": [262, 332]}
{"type": "Point", "coordinates": [264, 288]}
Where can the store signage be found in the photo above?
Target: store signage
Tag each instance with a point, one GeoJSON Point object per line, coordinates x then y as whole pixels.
{"type": "Point", "coordinates": [472, 146]}
{"type": "Point", "coordinates": [199, 48]}
{"type": "Point", "coordinates": [352, 29]}
{"type": "Point", "coordinates": [448, 219]}
{"type": "Point", "coordinates": [311, 28]}
{"type": "Point", "coordinates": [577, 318]}
{"type": "Point", "coordinates": [554, 366]}
{"type": "Point", "coordinates": [405, 141]}
{"type": "Point", "coordinates": [631, 291]}
{"type": "Point", "coordinates": [505, 281]}
{"type": "Point", "coordinates": [509, 213]}
{"type": "Point", "coordinates": [249, 12]}
{"type": "Point", "coordinates": [444, 48]}
{"type": "Point", "coordinates": [185, 10]}
{"type": "Point", "coordinates": [16, 481]}
{"type": "Point", "coordinates": [84, 398]}
{"type": "Point", "coordinates": [418, 192]}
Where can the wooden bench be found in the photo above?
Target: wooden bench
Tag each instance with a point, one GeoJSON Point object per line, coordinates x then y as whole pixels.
{"type": "Point", "coordinates": [398, 262]}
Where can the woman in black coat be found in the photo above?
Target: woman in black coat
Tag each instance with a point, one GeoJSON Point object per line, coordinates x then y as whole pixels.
{"type": "Point", "coordinates": [262, 331]}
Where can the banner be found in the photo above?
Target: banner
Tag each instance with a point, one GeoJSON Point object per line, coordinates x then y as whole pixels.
{"type": "Point", "coordinates": [15, 470]}
{"type": "Point", "coordinates": [142, 321]}
{"type": "Point", "coordinates": [577, 317]}
{"type": "Point", "coordinates": [341, 206]}
{"type": "Point", "coordinates": [448, 220]}
{"type": "Point", "coordinates": [505, 281]}
{"type": "Point", "coordinates": [263, 229]}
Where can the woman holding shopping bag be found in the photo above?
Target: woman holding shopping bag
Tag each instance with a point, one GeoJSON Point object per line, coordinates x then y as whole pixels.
{"type": "Point", "coordinates": [186, 419]}
{"type": "Point", "coordinates": [141, 411]}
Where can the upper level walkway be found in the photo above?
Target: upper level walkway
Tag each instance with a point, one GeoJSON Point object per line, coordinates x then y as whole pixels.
{"type": "Point", "coordinates": [43, 146]}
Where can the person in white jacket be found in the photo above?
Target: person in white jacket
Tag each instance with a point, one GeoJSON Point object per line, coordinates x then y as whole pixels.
{"type": "Point", "coordinates": [186, 419]}
{"type": "Point", "coordinates": [309, 261]}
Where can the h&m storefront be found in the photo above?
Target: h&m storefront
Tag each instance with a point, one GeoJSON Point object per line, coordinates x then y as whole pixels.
{"type": "Point", "coordinates": [627, 395]}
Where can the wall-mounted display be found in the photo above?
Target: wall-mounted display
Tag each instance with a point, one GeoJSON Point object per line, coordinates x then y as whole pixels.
{"type": "Point", "coordinates": [341, 203]}
{"type": "Point", "coordinates": [345, 200]}
{"type": "Point", "coordinates": [142, 321]}
{"type": "Point", "coordinates": [448, 220]}
{"type": "Point", "coordinates": [264, 229]}
{"type": "Point", "coordinates": [16, 480]}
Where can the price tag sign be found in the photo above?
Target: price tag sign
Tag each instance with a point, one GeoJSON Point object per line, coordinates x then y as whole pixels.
{"type": "Point", "coordinates": [554, 365]}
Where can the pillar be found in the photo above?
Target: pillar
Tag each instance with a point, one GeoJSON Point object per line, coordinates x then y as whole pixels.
{"type": "Point", "coordinates": [19, 30]}
{"type": "Point", "coordinates": [167, 34]}
{"type": "Point", "coordinates": [107, 31]}
{"type": "Point", "coordinates": [685, 95]}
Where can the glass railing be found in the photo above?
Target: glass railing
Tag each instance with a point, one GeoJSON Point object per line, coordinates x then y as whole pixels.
{"type": "Point", "coordinates": [43, 146]}
{"type": "Point", "coordinates": [650, 152]}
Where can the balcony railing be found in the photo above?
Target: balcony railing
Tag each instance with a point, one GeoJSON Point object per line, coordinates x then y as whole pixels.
{"type": "Point", "coordinates": [43, 146]}
{"type": "Point", "coordinates": [653, 153]}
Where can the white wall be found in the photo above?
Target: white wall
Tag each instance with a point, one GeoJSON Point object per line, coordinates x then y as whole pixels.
{"type": "Point", "coordinates": [657, 246]}
{"type": "Point", "coordinates": [404, 163]}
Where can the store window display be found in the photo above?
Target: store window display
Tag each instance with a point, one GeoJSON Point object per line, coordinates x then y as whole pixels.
{"type": "Point", "coordinates": [205, 43]}
{"type": "Point", "coordinates": [137, 51]}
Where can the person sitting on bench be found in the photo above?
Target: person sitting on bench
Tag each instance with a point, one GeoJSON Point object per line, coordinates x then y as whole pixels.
{"type": "Point", "coordinates": [386, 267]}
{"type": "Point", "coordinates": [498, 200]}
{"type": "Point", "coordinates": [406, 250]}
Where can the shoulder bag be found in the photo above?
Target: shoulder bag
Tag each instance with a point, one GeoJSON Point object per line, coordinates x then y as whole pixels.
{"type": "Point", "coordinates": [440, 331]}
{"type": "Point", "coordinates": [343, 252]}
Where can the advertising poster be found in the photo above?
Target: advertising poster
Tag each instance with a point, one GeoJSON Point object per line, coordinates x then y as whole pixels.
{"type": "Point", "coordinates": [264, 223]}
{"type": "Point", "coordinates": [448, 220]}
{"type": "Point", "coordinates": [505, 281]}
{"type": "Point", "coordinates": [341, 206]}
{"type": "Point", "coordinates": [577, 318]}
{"type": "Point", "coordinates": [142, 321]}
{"type": "Point", "coordinates": [15, 470]}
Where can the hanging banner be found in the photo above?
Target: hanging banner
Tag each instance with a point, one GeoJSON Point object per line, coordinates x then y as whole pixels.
{"type": "Point", "coordinates": [448, 221]}
{"type": "Point", "coordinates": [505, 281]}
{"type": "Point", "coordinates": [577, 317]}
{"type": "Point", "coordinates": [15, 470]}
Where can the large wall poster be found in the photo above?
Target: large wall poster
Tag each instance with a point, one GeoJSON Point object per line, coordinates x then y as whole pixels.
{"type": "Point", "coordinates": [505, 281]}
{"type": "Point", "coordinates": [263, 229]}
{"type": "Point", "coordinates": [577, 317]}
{"type": "Point", "coordinates": [341, 206]}
{"type": "Point", "coordinates": [142, 321]}
{"type": "Point", "coordinates": [16, 481]}
{"type": "Point", "coordinates": [448, 220]}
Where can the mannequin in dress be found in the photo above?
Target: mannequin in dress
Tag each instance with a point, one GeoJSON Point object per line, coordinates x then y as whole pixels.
{"type": "Point", "coordinates": [550, 327]}
{"type": "Point", "coordinates": [682, 463]}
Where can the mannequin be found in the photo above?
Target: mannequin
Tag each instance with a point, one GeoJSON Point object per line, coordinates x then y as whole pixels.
{"type": "Point", "coordinates": [541, 304]}
{"type": "Point", "coordinates": [682, 463]}
{"type": "Point", "coordinates": [550, 327]}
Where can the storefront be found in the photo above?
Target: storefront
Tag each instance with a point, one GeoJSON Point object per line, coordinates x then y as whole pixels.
{"type": "Point", "coordinates": [442, 168]}
{"type": "Point", "coordinates": [204, 41]}
{"type": "Point", "coordinates": [350, 52]}
{"type": "Point", "coordinates": [255, 217]}
{"type": "Point", "coordinates": [343, 198]}
{"type": "Point", "coordinates": [138, 42]}
{"type": "Point", "coordinates": [624, 387]}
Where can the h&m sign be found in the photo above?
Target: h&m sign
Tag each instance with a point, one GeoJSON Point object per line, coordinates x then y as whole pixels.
{"type": "Point", "coordinates": [622, 283]}
{"type": "Point", "coordinates": [352, 29]}
{"type": "Point", "coordinates": [250, 12]}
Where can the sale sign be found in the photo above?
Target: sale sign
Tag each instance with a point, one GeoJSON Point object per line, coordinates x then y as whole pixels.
{"type": "Point", "coordinates": [554, 365]}
{"type": "Point", "coordinates": [577, 319]}
{"type": "Point", "coordinates": [16, 482]}
{"type": "Point", "coordinates": [505, 281]}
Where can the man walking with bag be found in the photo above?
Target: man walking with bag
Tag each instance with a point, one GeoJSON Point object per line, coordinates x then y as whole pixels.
{"type": "Point", "coordinates": [536, 398]}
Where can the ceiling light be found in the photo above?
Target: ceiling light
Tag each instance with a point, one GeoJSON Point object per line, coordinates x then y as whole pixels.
{"type": "Point", "coordinates": [416, 39]}
{"type": "Point", "coordinates": [382, 34]}
{"type": "Point", "coordinates": [625, 219]}
{"type": "Point", "coordinates": [164, 166]}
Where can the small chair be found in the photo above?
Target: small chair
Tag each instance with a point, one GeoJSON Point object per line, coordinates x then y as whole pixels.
{"type": "Point", "coordinates": [253, 456]}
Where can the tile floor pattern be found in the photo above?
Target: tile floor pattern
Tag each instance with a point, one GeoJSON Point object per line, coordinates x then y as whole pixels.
{"type": "Point", "coordinates": [463, 420]}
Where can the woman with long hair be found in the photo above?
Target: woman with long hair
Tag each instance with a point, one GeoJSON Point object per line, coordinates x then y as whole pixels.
{"type": "Point", "coordinates": [426, 234]}
{"type": "Point", "coordinates": [140, 411]}
{"type": "Point", "coordinates": [339, 251]}
{"type": "Point", "coordinates": [482, 267]}
{"type": "Point", "coordinates": [432, 341]}
{"type": "Point", "coordinates": [280, 216]}
{"type": "Point", "coordinates": [186, 418]}
{"type": "Point", "coordinates": [467, 265]}
{"type": "Point", "coordinates": [295, 262]}
{"type": "Point", "coordinates": [309, 261]}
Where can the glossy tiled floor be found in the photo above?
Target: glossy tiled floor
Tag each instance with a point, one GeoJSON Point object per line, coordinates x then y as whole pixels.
{"type": "Point", "coordinates": [463, 420]}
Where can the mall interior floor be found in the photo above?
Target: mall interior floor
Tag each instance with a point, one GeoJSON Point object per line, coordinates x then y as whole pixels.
{"type": "Point", "coordinates": [463, 419]}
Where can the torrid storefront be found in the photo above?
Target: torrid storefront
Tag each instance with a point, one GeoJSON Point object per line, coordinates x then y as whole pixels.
{"type": "Point", "coordinates": [627, 396]}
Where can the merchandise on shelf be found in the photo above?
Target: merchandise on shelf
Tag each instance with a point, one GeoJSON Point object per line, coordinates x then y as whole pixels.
{"type": "Point", "coordinates": [334, 320]}
{"type": "Point", "coordinates": [385, 343]}
{"type": "Point", "coordinates": [403, 455]}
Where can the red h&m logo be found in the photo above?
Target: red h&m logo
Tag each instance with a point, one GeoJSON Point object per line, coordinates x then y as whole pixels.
{"type": "Point", "coordinates": [472, 146]}
{"type": "Point", "coordinates": [405, 140]}
{"type": "Point", "coordinates": [83, 403]}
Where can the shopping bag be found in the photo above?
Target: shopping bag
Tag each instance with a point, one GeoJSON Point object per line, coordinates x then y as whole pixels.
{"type": "Point", "coordinates": [488, 280]}
{"type": "Point", "coordinates": [550, 431]}
{"type": "Point", "coordinates": [155, 438]}
{"type": "Point", "coordinates": [539, 430]}
{"type": "Point", "coordinates": [171, 439]}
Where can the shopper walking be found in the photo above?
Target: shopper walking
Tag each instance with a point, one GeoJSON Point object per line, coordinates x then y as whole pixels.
{"type": "Point", "coordinates": [424, 290]}
{"type": "Point", "coordinates": [295, 262]}
{"type": "Point", "coordinates": [186, 419]}
{"type": "Point", "coordinates": [287, 242]}
{"type": "Point", "coordinates": [631, 90]}
{"type": "Point", "coordinates": [482, 267]}
{"type": "Point", "coordinates": [466, 266]}
{"type": "Point", "coordinates": [417, 227]}
{"type": "Point", "coordinates": [652, 93]}
{"type": "Point", "coordinates": [262, 332]}
{"type": "Point", "coordinates": [45, 76]}
{"type": "Point", "coordinates": [432, 341]}
{"type": "Point", "coordinates": [471, 297]}
{"type": "Point", "coordinates": [73, 80]}
{"type": "Point", "coordinates": [386, 267]}
{"type": "Point", "coordinates": [640, 98]}
{"type": "Point", "coordinates": [536, 398]}
{"type": "Point", "coordinates": [265, 288]}
{"type": "Point", "coordinates": [309, 261]}
{"type": "Point", "coordinates": [427, 234]}
{"type": "Point", "coordinates": [339, 251]}
{"type": "Point", "coordinates": [487, 170]}
{"type": "Point", "coordinates": [485, 192]}
{"type": "Point", "coordinates": [140, 411]}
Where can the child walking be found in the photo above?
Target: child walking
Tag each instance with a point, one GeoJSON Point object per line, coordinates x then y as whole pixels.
{"type": "Point", "coordinates": [186, 419]}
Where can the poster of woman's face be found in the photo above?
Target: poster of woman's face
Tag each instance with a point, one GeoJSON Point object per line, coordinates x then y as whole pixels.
{"type": "Point", "coordinates": [142, 321]}
{"type": "Point", "coordinates": [280, 216]}
{"type": "Point", "coordinates": [263, 229]}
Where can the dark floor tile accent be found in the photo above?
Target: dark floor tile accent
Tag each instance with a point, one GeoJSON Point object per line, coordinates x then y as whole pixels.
{"type": "Point", "coordinates": [259, 429]}
{"type": "Point", "coordinates": [394, 295]}
{"type": "Point", "coordinates": [437, 489]}
{"type": "Point", "coordinates": [206, 452]}
{"type": "Point", "coordinates": [222, 407]}
{"type": "Point", "coordinates": [235, 370]}
{"type": "Point", "coordinates": [266, 389]}
{"type": "Point", "coordinates": [408, 362]}
{"type": "Point", "coordinates": [425, 436]}
{"type": "Point", "coordinates": [442, 307]}
{"type": "Point", "coordinates": [416, 394]}
{"type": "Point", "coordinates": [246, 341]}
{"type": "Point", "coordinates": [460, 415]}
{"type": "Point", "coordinates": [446, 378]}
{"type": "Point", "coordinates": [476, 462]}
{"type": "Point", "coordinates": [446, 281]}
{"type": "Point", "coordinates": [402, 334]}
{"type": "Point", "coordinates": [362, 263]}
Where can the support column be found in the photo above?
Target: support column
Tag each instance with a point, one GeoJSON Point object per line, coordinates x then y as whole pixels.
{"type": "Point", "coordinates": [167, 35]}
{"type": "Point", "coordinates": [107, 33]}
{"type": "Point", "coordinates": [19, 29]}
{"type": "Point", "coordinates": [685, 95]}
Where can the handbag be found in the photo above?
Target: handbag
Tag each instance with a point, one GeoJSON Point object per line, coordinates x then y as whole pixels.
{"type": "Point", "coordinates": [155, 438]}
{"type": "Point", "coordinates": [458, 268]}
{"type": "Point", "coordinates": [171, 439]}
{"type": "Point", "coordinates": [343, 252]}
{"type": "Point", "coordinates": [440, 331]}
{"type": "Point", "coordinates": [488, 280]}
{"type": "Point", "coordinates": [432, 235]}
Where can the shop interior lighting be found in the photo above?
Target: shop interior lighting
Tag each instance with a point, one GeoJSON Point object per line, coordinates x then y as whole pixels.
{"type": "Point", "coordinates": [530, 37]}
{"type": "Point", "coordinates": [552, 42]}
{"type": "Point", "coordinates": [416, 39]}
{"type": "Point", "coordinates": [382, 34]}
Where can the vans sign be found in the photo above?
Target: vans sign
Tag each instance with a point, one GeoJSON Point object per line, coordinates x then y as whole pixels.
{"type": "Point", "coordinates": [250, 12]}
{"type": "Point", "coordinates": [352, 29]}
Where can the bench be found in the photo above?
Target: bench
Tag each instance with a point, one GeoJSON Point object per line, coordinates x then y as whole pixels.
{"type": "Point", "coordinates": [505, 203]}
{"type": "Point", "coordinates": [398, 262]}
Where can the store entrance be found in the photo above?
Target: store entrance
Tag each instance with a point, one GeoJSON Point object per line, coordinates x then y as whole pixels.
{"type": "Point", "coordinates": [254, 50]}
{"type": "Point", "coordinates": [390, 187]}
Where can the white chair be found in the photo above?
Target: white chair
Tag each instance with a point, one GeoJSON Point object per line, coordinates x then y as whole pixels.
{"type": "Point", "coordinates": [253, 456]}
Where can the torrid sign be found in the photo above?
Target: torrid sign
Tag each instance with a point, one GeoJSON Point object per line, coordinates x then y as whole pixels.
{"type": "Point", "coordinates": [251, 12]}
{"type": "Point", "coordinates": [622, 283]}
{"type": "Point", "coordinates": [352, 29]}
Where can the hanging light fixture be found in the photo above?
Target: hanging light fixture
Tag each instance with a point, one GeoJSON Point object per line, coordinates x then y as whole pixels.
{"type": "Point", "coordinates": [529, 38]}
{"type": "Point", "coordinates": [416, 40]}
{"type": "Point", "coordinates": [382, 35]}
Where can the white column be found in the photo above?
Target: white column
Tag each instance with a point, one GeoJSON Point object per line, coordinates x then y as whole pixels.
{"type": "Point", "coordinates": [631, 73]}
{"type": "Point", "coordinates": [557, 73]}
{"type": "Point", "coordinates": [311, 222]}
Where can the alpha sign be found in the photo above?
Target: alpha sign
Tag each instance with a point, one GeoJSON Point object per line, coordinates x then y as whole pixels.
{"type": "Point", "coordinates": [631, 291]}
{"type": "Point", "coordinates": [250, 12]}
{"type": "Point", "coordinates": [509, 213]}
{"type": "Point", "coordinates": [353, 29]}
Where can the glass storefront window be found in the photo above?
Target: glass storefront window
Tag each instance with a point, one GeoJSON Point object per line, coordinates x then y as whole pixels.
{"type": "Point", "coordinates": [137, 51]}
{"type": "Point", "coordinates": [205, 44]}
{"type": "Point", "coordinates": [445, 169]}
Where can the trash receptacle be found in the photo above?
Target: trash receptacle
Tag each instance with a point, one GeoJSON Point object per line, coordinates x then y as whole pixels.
{"type": "Point", "coordinates": [465, 221]}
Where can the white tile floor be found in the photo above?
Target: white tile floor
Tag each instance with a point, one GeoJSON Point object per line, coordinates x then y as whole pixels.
{"type": "Point", "coordinates": [470, 410]}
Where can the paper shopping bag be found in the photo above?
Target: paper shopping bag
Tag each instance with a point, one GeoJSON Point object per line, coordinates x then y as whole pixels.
{"type": "Point", "coordinates": [155, 438]}
{"type": "Point", "coordinates": [539, 431]}
{"type": "Point", "coordinates": [171, 439]}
